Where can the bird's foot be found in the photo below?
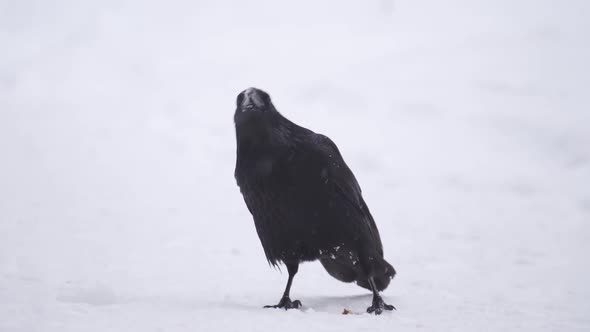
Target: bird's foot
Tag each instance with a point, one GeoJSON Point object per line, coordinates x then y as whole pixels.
{"type": "Point", "coordinates": [379, 305]}
{"type": "Point", "coordinates": [286, 304]}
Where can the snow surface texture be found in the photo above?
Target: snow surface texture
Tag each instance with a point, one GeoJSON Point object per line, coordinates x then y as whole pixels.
{"type": "Point", "coordinates": [467, 124]}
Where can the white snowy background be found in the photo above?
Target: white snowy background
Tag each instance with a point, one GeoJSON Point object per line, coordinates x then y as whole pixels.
{"type": "Point", "coordinates": [466, 122]}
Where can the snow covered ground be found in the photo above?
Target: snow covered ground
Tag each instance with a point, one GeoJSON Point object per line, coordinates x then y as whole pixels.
{"type": "Point", "coordinates": [466, 122]}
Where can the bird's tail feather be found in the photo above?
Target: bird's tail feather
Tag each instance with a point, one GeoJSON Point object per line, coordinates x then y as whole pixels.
{"type": "Point", "coordinates": [382, 276]}
{"type": "Point", "coordinates": [344, 271]}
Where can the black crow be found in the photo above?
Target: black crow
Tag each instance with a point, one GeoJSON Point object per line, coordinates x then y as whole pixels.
{"type": "Point", "coordinates": [305, 201]}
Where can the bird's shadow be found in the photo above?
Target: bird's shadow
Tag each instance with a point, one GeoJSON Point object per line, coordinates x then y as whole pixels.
{"type": "Point", "coordinates": [337, 304]}
{"type": "Point", "coordinates": [329, 304]}
{"type": "Point", "coordinates": [356, 304]}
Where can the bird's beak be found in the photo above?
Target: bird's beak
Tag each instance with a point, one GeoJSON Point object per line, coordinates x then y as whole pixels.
{"type": "Point", "coordinates": [250, 107]}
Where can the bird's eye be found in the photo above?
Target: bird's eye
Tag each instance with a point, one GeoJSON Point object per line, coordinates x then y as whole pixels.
{"type": "Point", "coordinates": [240, 99]}
{"type": "Point", "coordinates": [266, 98]}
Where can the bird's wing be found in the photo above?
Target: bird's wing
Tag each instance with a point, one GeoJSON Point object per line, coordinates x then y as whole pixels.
{"type": "Point", "coordinates": [346, 184]}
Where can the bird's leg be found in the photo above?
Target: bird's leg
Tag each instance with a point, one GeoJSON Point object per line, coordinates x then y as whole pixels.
{"type": "Point", "coordinates": [285, 301]}
{"type": "Point", "coordinates": [378, 304]}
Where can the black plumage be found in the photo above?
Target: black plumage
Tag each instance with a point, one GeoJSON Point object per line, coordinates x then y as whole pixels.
{"type": "Point", "coordinates": [305, 201]}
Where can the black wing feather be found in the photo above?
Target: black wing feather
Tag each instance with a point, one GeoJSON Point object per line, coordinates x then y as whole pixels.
{"type": "Point", "coordinates": [348, 187]}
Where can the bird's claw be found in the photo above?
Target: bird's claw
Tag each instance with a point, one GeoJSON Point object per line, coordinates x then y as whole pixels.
{"type": "Point", "coordinates": [286, 303]}
{"type": "Point", "coordinates": [379, 305]}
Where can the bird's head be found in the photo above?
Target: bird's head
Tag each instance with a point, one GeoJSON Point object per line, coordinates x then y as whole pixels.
{"type": "Point", "coordinates": [253, 105]}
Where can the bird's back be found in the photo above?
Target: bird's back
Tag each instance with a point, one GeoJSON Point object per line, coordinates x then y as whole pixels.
{"type": "Point", "coordinates": [305, 201]}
